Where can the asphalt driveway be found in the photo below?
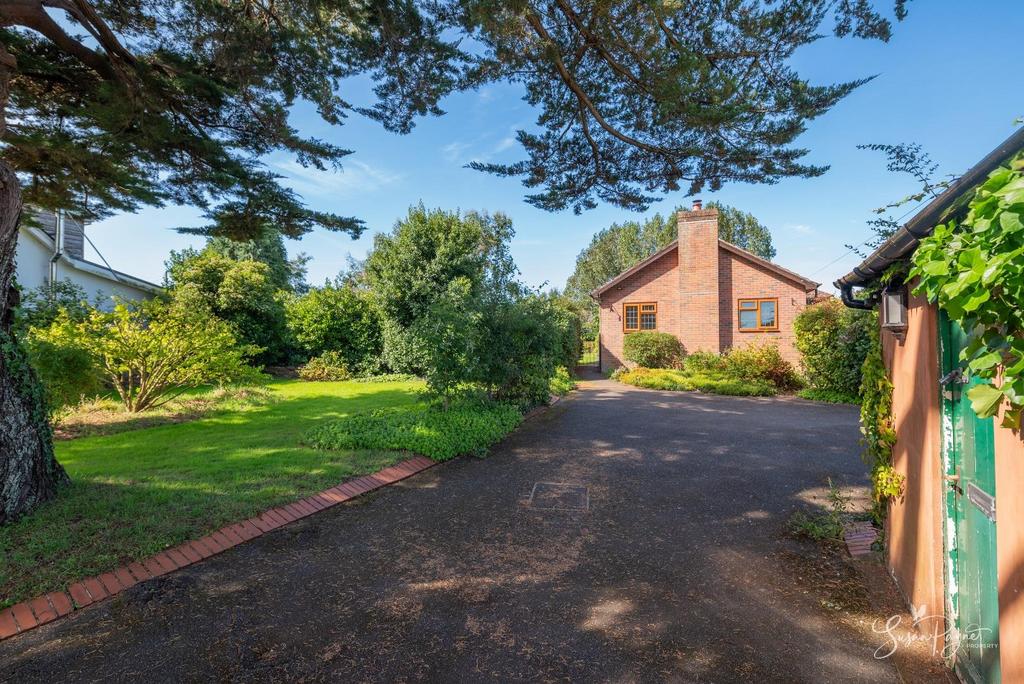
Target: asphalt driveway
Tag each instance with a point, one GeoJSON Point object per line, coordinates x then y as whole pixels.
{"type": "Point", "coordinates": [624, 535]}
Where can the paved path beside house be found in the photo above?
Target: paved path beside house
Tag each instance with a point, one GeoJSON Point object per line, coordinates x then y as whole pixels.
{"type": "Point", "coordinates": [672, 564]}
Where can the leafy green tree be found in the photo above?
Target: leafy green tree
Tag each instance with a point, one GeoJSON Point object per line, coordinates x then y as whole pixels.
{"type": "Point", "coordinates": [454, 310]}
{"type": "Point", "coordinates": [268, 248]}
{"type": "Point", "coordinates": [411, 269]}
{"type": "Point", "coordinates": [181, 101]}
{"type": "Point", "coordinates": [152, 352]}
{"type": "Point", "coordinates": [240, 292]}
{"type": "Point", "coordinates": [448, 340]}
{"type": "Point", "coordinates": [744, 230]}
{"type": "Point", "coordinates": [337, 319]}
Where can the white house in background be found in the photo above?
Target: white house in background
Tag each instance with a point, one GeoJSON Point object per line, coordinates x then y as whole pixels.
{"type": "Point", "coordinates": [54, 250]}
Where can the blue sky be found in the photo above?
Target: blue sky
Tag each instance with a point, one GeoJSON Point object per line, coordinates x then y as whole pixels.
{"type": "Point", "coordinates": [949, 79]}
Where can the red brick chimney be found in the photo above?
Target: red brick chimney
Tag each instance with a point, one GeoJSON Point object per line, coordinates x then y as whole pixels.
{"type": "Point", "coordinates": [698, 279]}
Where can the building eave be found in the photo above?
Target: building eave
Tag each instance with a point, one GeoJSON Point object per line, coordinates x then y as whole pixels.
{"type": "Point", "coordinates": [596, 294]}
{"type": "Point", "coordinates": [792, 276]}
{"type": "Point", "coordinates": [95, 269]}
{"type": "Point", "coordinates": [905, 240]}
{"type": "Point", "coordinates": [785, 273]}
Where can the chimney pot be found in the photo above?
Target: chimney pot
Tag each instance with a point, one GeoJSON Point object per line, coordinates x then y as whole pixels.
{"type": "Point", "coordinates": [697, 204]}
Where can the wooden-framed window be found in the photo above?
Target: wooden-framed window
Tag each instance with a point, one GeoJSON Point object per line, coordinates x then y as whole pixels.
{"type": "Point", "coordinates": [758, 315]}
{"type": "Point", "coordinates": [640, 316]}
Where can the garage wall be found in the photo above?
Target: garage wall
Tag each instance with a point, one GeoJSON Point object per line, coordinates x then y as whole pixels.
{"type": "Point", "coordinates": [914, 527]}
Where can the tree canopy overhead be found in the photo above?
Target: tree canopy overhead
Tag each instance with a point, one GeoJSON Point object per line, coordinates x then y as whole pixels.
{"type": "Point", "coordinates": [119, 103]}
{"type": "Point", "coordinates": [638, 98]}
{"type": "Point", "coordinates": [116, 104]}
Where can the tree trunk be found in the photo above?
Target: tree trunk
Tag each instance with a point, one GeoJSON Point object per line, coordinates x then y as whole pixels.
{"type": "Point", "coordinates": [29, 473]}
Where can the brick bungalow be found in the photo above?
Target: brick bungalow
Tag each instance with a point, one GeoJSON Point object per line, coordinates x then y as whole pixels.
{"type": "Point", "coordinates": [709, 293]}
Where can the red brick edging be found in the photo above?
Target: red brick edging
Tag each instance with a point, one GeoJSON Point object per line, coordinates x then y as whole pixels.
{"type": "Point", "coordinates": [47, 608]}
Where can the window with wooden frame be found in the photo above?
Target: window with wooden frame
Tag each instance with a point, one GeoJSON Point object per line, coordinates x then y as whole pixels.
{"type": "Point", "coordinates": [758, 315]}
{"type": "Point", "coordinates": [640, 316]}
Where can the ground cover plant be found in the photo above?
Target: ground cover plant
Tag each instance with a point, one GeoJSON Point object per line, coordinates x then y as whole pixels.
{"type": "Point", "coordinates": [753, 370]}
{"type": "Point", "coordinates": [683, 380]}
{"type": "Point", "coordinates": [465, 426]}
{"type": "Point", "coordinates": [135, 493]}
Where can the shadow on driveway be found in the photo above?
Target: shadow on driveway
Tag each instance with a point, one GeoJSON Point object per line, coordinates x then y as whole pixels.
{"type": "Point", "coordinates": [671, 565]}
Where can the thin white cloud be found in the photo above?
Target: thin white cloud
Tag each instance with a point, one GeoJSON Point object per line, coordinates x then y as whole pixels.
{"type": "Point", "coordinates": [456, 151]}
{"type": "Point", "coordinates": [800, 228]}
{"type": "Point", "coordinates": [504, 144]}
{"type": "Point", "coordinates": [355, 177]}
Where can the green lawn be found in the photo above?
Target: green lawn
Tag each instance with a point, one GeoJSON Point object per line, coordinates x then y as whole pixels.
{"type": "Point", "coordinates": [135, 493]}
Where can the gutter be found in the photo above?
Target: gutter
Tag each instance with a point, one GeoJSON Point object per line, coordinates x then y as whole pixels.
{"type": "Point", "coordinates": [906, 239]}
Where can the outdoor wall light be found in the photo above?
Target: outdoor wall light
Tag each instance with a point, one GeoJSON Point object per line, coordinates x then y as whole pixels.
{"type": "Point", "coordinates": [894, 308]}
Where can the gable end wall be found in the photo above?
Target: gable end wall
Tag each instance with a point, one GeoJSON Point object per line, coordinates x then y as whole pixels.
{"type": "Point", "coordinates": [739, 278]}
{"type": "Point", "coordinates": [658, 282]}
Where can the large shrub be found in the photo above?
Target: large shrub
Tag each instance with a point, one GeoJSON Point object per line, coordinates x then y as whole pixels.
{"type": "Point", "coordinates": [337, 319]}
{"type": "Point", "coordinates": [761, 362]}
{"type": "Point", "coordinates": [653, 350]}
{"type": "Point", "coordinates": [523, 345]}
{"type": "Point", "coordinates": [152, 352]}
{"type": "Point", "coordinates": [239, 291]}
{"type": "Point", "coordinates": [833, 341]}
{"type": "Point", "coordinates": [454, 311]}
{"type": "Point", "coordinates": [63, 362]}
{"type": "Point", "coordinates": [568, 319]}
{"type": "Point", "coordinates": [328, 367]}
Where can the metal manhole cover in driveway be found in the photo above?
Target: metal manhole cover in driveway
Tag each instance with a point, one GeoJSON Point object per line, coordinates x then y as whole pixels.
{"type": "Point", "coordinates": [557, 496]}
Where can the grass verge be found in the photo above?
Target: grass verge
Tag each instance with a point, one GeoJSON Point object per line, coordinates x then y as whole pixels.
{"type": "Point", "coordinates": [136, 493]}
{"type": "Point", "coordinates": [106, 416]}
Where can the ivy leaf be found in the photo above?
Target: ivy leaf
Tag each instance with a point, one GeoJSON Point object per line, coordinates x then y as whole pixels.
{"type": "Point", "coordinates": [936, 268]}
{"type": "Point", "coordinates": [975, 300]}
{"type": "Point", "coordinates": [1011, 419]}
{"type": "Point", "coordinates": [985, 361]}
{"type": "Point", "coordinates": [985, 400]}
{"type": "Point", "coordinates": [1010, 222]}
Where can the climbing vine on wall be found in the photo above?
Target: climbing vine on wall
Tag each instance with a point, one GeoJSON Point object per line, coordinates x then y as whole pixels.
{"type": "Point", "coordinates": [877, 429]}
{"type": "Point", "coordinates": [974, 270]}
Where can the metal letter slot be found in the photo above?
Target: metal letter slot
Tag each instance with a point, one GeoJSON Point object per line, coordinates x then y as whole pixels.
{"type": "Point", "coordinates": [982, 500]}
